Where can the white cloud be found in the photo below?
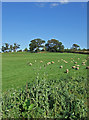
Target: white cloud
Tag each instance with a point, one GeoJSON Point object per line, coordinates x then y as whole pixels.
{"type": "Point", "coordinates": [54, 5]}
{"type": "Point", "coordinates": [64, 1]}
{"type": "Point", "coordinates": [40, 4]}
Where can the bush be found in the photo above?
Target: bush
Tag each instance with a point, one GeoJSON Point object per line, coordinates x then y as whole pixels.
{"type": "Point", "coordinates": [19, 51]}
{"type": "Point", "coordinates": [62, 99]}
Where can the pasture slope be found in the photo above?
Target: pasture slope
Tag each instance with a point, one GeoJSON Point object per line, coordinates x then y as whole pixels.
{"type": "Point", "coordinates": [16, 70]}
{"type": "Point", "coordinates": [44, 85]}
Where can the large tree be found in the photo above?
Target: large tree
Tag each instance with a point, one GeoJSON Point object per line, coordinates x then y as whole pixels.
{"type": "Point", "coordinates": [36, 44]}
{"type": "Point", "coordinates": [54, 45]}
{"type": "Point", "coordinates": [6, 46]}
{"type": "Point", "coordinates": [75, 46]}
{"type": "Point", "coordinates": [15, 47]}
{"type": "Point", "coordinates": [3, 49]}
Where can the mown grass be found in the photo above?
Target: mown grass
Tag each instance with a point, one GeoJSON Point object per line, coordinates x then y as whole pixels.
{"type": "Point", "coordinates": [16, 72]}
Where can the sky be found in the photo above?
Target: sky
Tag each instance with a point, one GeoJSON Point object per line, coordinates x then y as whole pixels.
{"type": "Point", "coordinates": [25, 21]}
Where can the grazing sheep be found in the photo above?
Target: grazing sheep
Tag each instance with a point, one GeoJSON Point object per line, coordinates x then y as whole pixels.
{"type": "Point", "coordinates": [61, 66]}
{"type": "Point", "coordinates": [83, 62]}
{"type": "Point", "coordinates": [35, 60]}
{"type": "Point", "coordinates": [78, 58]}
{"type": "Point", "coordinates": [67, 70]}
{"type": "Point", "coordinates": [48, 63]}
{"type": "Point", "coordinates": [77, 68]}
{"type": "Point", "coordinates": [66, 62]}
{"type": "Point", "coordinates": [75, 62]}
{"type": "Point", "coordinates": [30, 64]}
{"type": "Point", "coordinates": [52, 62]}
{"type": "Point", "coordinates": [58, 60]}
{"type": "Point", "coordinates": [77, 65]}
{"type": "Point", "coordinates": [73, 67]}
{"type": "Point", "coordinates": [41, 61]}
{"type": "Point", "coordinates": [87, 67]}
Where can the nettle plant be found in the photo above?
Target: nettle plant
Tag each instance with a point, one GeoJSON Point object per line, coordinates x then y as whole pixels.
{"type": "Point", "coordinates": [62, 99]}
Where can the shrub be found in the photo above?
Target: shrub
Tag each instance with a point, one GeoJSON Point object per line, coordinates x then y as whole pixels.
{"type": "Point", "coordinates": [62, 99]}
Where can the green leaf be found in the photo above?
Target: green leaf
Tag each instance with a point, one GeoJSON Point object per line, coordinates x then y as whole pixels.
{"type": "Point", "coordinates": [31, 106]}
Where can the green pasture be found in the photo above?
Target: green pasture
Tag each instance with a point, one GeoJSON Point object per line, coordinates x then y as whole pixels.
{"type": "Point", "coordinates": [16, 70]}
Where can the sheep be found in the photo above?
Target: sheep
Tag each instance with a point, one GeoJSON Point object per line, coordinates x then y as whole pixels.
{"type": "Point", "coordinates": [66, 62]}
{"type": "Point", "coordinates": [83, 62]}
{"type": "Point", "coordinates": [67, 70]}
{"type": "Point", "coordinates": [52, 62]}
{"type": "Point", "coordinates": [35, 60]}
{"type": "Point", "coordinates": [30, 64]}
{"type": "Point", "coordinates": [77, 65]}
{"type": "Point", "coordinates": [48, 63]}
{"type": "Point", "coordinates": [75, 62]}
{"type": "Point", "coordinates": [73, 67]}
{"type": "Point", "coordinates": [61, 66]}
{"type": "Point", "coordinates": [77, 68]}
{"type": "Point", "coordinates": [87, 67]}
{"type": "Point", "coordinates": [41, 61]}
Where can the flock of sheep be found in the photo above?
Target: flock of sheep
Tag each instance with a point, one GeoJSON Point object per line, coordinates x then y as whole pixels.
{"type": "Point", "coordinates": [67, 70]}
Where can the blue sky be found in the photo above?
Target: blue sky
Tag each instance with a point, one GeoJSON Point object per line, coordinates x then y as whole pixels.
{"type": "Point", "coordinates": [23, 22]}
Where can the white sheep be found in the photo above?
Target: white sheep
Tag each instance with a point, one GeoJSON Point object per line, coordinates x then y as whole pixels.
{"type": "Point", "coordinates": [52, 62]}
{"type": "Point", "coordinates": [61, 66]}
{"type": "Point", "coordinates": [77, 65]}
{"type": "Point", "coordinates": [30, 64]}
{"type": "Point", "coordinates": [87, 67]}
{"type": "Point", "coordinates": [48, 63]}
{"type": "Point", "coordinates": [77, 68]}
{"type": "Point", "coordinates": [73, 67]}
{"type": "Point", "coordinates": [67, 70]}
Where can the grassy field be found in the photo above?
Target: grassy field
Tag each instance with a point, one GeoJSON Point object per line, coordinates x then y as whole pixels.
{"type": "Point", "coordinates": [16, 70]}
{"type": "Point", "coordinates": [34, 85]}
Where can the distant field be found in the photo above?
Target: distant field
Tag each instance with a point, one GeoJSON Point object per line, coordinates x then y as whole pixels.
{"type": "Point", "coordinates": [16, 70]}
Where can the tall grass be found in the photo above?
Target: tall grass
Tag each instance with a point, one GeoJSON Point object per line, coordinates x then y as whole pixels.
{"type": "Point", "coordinates": [54, 98]}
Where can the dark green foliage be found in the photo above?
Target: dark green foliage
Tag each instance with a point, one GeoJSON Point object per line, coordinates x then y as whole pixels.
{"type": "Point", "coordinates": [75, 47]}
{"type": "Point", "coordinates": [62, 99]}
{"type": "Point", "coordinates": [25, 49]}
{"type": "Point", "coordinates": [15, 47]}
{"type": "Point", "coordinates": [54, 45]}
{"type": "Point", "coordinates": [36, 44]}
{"type": "Point", "coordinates": [3, 48]}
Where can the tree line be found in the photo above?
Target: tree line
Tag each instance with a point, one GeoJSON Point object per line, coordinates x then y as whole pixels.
{"type": "Point", "coordinates": [9, 48]}
{"type": "Point", "coordinates": [37, 45]}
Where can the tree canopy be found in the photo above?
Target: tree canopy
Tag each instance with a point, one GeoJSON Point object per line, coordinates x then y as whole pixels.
{"type": "Point", "coordinates": [36, 44]}
{"type": "Point", "coordinates": [54, 45]}
{"type": "Point", "coordinates": [9, 48]}
{"type": "Point", "coordinates": [75, 46]}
